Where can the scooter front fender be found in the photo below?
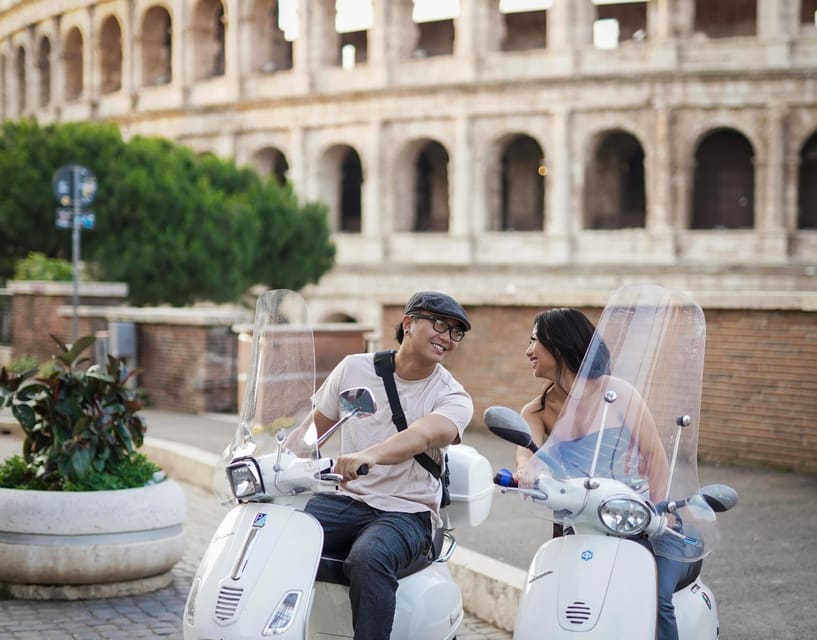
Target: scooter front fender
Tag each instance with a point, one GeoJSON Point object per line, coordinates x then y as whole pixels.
{"type": "Point", "coordinates": [261, 563]}
{"type": "Point", "coordinates": [590, 587]}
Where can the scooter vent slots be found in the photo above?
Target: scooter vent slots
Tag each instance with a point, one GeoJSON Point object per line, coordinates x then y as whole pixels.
{"type": "Point", "coordinates": [227, 604]}
{"type": "Point", "coordinates": [577, 613]}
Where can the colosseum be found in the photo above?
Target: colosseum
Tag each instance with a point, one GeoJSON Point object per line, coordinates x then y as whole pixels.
{"type": "Point", "coordinates": [515, 153]}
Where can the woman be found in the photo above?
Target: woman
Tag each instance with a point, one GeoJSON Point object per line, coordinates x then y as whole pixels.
{"type": "Point", "coordinates": [557, 346]}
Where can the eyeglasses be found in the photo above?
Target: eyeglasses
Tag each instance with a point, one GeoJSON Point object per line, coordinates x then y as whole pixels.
{"type": "Point", "coordinates": [439, 325]}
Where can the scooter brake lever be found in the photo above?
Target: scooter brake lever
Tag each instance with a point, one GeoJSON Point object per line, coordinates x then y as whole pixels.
{"type": "Point", "coordinates": [333, 478]}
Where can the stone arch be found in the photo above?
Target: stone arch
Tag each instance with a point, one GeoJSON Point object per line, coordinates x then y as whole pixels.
{"type": "Point", "coordinates": [339, 317]}
{"type": "Point", "coordinates": [270, 50]}
{"type": "Point", "coordinates": [110, 55]}
{"type": "Point", "coordinates": [726, 18]}
{"type": "Point", "coordinates": [516, 175]}
{"type": "Point", "coordinates": [614, 185]}
{"type": "Point", "coordinates": [807, 185]}
{"type": "Point", "coordinates": [723, 181]}
{"type": "Point", "coordinates": [157, 47]}
{"type": "Point", "coordinates": [44, 70]}
{"type": "Point", "coordinates": [808, 12]}
{"type": "Point", "coordinates": [271, 162]}
{"type": "Point", "coordinates": [429, 193]}
{"type": "Point", "coordinates": [73, 53]}
{"type": "Point", "coordinates": [207, 32]}
{"type": "Point", "coordinates": [340, 184]}
{"type": "Point", "coordinates": [20, 76]}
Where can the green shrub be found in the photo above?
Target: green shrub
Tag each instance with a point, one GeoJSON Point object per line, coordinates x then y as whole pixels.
{"type": "Point", "coordinates": [81, 426]}
{"type": "Point", "coordinates": [38, 266]}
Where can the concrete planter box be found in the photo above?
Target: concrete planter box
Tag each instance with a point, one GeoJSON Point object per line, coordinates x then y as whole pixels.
{"type": "Point", "coordinates": [72, 545]}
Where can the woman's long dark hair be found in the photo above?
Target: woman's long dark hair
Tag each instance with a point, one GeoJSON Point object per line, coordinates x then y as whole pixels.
{"type": "Point", "coordinates": [567, 334]}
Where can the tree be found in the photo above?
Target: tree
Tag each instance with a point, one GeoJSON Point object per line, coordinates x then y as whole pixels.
{"type": "Point", "coordinates": [176, 227]}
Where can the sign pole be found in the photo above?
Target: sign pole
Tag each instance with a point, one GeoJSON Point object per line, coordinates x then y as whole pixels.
{"type": "Point", "coordinates": [75, 251]}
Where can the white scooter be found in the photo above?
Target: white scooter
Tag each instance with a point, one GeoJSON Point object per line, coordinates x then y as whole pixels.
{"type": "Point", "coordinates": [599, 580]}
{"type": "Point", "coordinates": [263, 575]}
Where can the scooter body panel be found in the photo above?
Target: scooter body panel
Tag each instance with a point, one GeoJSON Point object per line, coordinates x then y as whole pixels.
{"type": "Point", "coordinates": [258, 555]}
{"type": "Point", "coordinates": [696, 612]}
{"type": "Point", "coordinates": [590, 587]}
{"type": "Point", "coordinates": [429, 605]}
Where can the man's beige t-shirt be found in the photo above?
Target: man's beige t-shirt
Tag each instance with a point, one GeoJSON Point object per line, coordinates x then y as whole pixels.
{"type": "Point", "coordinates": [406, 487]}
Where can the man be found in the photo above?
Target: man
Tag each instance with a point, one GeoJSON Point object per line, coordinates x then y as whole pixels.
{"type": "Point", "coordinates": [383, 521]}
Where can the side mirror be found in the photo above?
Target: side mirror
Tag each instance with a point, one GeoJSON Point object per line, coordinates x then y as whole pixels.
{"type": "Point", "coordinates": [509, 425]}
{"type": "Point", "coordinates": [720, 497]}
{"type": "Point", "coordinates": [357, 401]}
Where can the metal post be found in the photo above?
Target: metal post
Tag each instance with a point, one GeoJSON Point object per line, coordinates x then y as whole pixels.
{"type": "Point", "coordinates": [75, 251]}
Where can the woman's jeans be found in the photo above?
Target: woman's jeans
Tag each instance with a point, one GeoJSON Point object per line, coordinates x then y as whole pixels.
{"type": "Point", "coordinates": [377, 544]}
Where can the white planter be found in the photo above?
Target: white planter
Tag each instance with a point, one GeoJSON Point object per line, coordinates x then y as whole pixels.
{"type": "Point", "coordinates": [57, 544]}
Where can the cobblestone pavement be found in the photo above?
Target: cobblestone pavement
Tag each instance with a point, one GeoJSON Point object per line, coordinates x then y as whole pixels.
{"type": "Point", "coordinates": [152, 615]}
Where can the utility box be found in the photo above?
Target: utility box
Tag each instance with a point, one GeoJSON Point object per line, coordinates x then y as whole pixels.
{"type": "Point", "coordinates": [122, 341]}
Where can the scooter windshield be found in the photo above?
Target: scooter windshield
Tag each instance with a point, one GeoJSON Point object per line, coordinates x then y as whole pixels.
{"type": "Point", "coordinates": [633, 412]}
{"type": "Point", "coordinates": [279, 386]}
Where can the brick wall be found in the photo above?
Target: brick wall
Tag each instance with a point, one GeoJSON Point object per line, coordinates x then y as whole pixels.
{"type": "Point", "coordinates": [759, 401]}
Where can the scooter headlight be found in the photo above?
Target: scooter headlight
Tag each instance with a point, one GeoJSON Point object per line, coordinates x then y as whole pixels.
{"type": "Point", "coordinates": [624, 516]}
{"type": "Point", "coordinates": [245, 479]}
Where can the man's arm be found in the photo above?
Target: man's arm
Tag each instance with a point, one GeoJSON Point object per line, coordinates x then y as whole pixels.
{"type": "Point", "coordinates": [429, 432]}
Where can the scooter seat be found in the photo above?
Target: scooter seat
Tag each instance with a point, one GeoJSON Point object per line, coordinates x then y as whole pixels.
{"type": "Point", "coordinates": [330, 568]}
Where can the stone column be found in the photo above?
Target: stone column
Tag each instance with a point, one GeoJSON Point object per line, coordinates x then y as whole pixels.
{"type": "Point", "coordinates": [232, 42]}
{"type": "Point", "coordinates": [776, 24]}
{"type": "Point", "coordinates": [658, 170]}
{"type": "Point", "coordinates": [570, 24]}
{"type": "Point", "coordinates": [460, 180]}
{"type": "Point", "coordinates": [372, 206]}
{"type": "Point", "coordinates": [90, 66]}
{"type": "Point", "coordinates": [476, 29]}
{"type": "Point", "coordinates": [560, 162]}
{"type": "Point", "coordinates": [771, 216]}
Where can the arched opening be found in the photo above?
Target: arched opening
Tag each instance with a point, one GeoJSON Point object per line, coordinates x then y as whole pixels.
{"type": "Point", "coordinates": [808, 13]}
{"type": "Point", "coordinates": [521, 175]}
{"type": "Point", "coordinates": [807, 185]}
{"type": "Point", "coordinates": [614, 192]}
{"type": "Point", "coordinates": [270, 51]}
{"type": "Point", "coordinates": [44, 69]}
{"type": "Point", "coordinates": [524, 30]}
{"type": "Point", "coordinates": [724, 183]}
{"type": "Point", "coordinates": [72, 55]}
{"type": "Point", "coordinates": [157, 47]}
{"type": "Point", "coordinates": [21, 79]}
{"type": "Point", "coordinates": [271, 162]}
{"type": "Point", "coordinates": [431, 210]}
{"type": "Point", "coordinates": [110, 41]}
{"type": "Point", "coordinates": [726, 18]}
{"type": "Point", "coordinates": [207, 33]}
{"type": "Point", "coordinates": [351, 186]}
{"type": "Point", "coordinates": [340, 183]}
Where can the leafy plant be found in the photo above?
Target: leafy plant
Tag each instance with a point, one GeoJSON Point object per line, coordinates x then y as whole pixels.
{"type": "Point", "coordinates": [80, 425]}
{"type": "Point", "coordinates": [37, 266]}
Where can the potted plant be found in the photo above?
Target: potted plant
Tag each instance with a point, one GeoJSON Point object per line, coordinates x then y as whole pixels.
{"type": "Point", "coordinates": [84, 513]}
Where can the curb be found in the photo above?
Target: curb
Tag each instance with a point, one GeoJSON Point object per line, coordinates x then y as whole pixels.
{"type": "Point", "coordinates": [490, 589]}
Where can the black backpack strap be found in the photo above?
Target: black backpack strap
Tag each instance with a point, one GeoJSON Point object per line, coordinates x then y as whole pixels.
{"type": "Point", "coordinates": [384, 367]}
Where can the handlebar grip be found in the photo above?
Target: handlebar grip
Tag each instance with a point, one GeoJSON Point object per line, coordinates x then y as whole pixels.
{"type": "Point", "coordinates": [363, 470]}
{"type": "Point", "coordinates": [504, 478]}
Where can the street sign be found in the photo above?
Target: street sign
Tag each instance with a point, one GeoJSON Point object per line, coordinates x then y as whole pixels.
{"type": "Point", "coordinates": [87, 220]}
{"type": "Point", "coordinates": [65, 218]}
{"type": "Point", "coordinates": [74, 182]}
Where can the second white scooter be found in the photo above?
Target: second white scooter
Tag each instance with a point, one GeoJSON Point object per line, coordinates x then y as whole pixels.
{"type": "Point", "coordinates": [599, 580]}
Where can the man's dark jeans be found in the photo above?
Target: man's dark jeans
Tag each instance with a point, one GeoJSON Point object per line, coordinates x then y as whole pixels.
{"type": "Point", "coordinates": [377, 544]}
